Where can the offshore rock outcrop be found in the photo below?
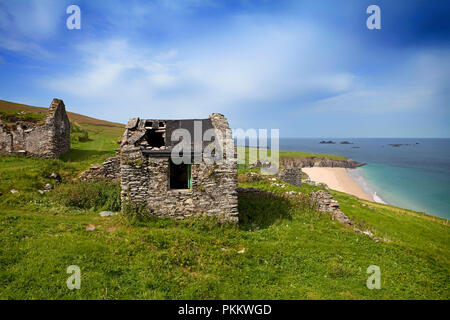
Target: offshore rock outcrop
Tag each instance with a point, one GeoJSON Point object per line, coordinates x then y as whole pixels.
{"type": "Point", "coordinates": [320, 162]}
{"type": "Point", "coordinates": [46, 139]}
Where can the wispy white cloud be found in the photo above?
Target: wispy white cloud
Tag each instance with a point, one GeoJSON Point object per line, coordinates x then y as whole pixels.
{"type": "Point", "coordinates": [418, 84]}
{"type": "Point", "coordinates": [25, 24]}
{"type": "Point", "coordinates": [381, 100]}
{"type": "Point", "coordinates": [248, 64]}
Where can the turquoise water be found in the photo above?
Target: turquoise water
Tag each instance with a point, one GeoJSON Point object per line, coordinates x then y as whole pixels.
{"type": "Point", "coordinates": [415, 175]}
{"type": "Point", "coordinates": [411, 188]}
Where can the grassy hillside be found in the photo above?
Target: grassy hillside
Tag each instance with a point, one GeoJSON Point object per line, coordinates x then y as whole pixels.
{"type": "Point", "coordinates": [12, 106]}
{"type": "Point", "coordinates": [291, 154]}
{"type": "Point", "coordinates": [282, 249]}
{"type": "Point", "coordinates": [102, 142]}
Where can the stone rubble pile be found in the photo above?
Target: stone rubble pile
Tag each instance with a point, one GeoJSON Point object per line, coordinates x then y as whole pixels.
{"type": "Point", "coordinates": [107, 171]}
{"type": "Point", "coordinates": [253, 191]}
{"type": "Point", "coordinates": [314, 183]}
{"type": "Point", "coordinates": [276, 184]}
{"type": "Point", "coordinates": [261, 164]}
{"type": "Point", "coordinates": [250, 177]}
{"type": "Point", "coordinates": [326, 203]}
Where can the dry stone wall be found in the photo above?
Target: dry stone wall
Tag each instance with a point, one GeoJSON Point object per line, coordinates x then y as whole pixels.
{"type": "Point", "coordinates": [326, 203]}
{"type": "Point", "coordinates": [107, 171]}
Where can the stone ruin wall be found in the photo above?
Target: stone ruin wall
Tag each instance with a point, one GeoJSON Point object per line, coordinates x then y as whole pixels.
{"type": "Point", "coordinates": [213, 187]}
{"type": "Point", "coordinates": [47, 139]}
{"type": "Point", "coordinates": [107, 171]}
{"type": "Point", "coordinates": [291, 175]}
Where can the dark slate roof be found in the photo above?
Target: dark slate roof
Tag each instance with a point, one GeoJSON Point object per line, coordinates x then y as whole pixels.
{"type": "Point", "coordinates": [172, 125]}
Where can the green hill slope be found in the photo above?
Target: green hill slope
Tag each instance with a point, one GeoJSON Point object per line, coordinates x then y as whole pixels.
{"type": "Point", "coordinates": [81, 119]}
{"type": "Point", "coordinates": [281, 250]}
{"type": "Point", "coordinates": [102, 142]}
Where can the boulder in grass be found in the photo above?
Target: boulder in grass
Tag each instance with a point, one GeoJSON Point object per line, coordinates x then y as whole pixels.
{"type": "Point", "coordinates": [14, 191]}
{"type": "Point", "coordinates": [90, 227]}
{"type": "Point", "coordinates": [55, 177]}
{"type": "Point", "coordinates": [368, 233]}
{"type": "Point", "coordinates": [106, 213]}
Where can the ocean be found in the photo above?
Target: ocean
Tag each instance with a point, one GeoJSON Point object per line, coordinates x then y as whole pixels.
{"type": "Point", "coordinates": [414, 175]}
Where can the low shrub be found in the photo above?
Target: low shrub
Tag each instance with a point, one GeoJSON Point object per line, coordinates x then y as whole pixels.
{"type": "Point", "coordinates": [134, 212]}
{"type": "Point", "coordinates": [304, 175]}
{"type": "Point", "coordinates": [250, 177]}
{"type": "Point", "coordinates": [77, 133]}
{"type": "Point", "coordinates": [87, 195]}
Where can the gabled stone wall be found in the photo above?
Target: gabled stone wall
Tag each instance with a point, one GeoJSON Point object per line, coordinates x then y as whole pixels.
{"type": "Point", "coordinates": [145, 179]}
{"type": "Point", "coordinates": [47, 139]}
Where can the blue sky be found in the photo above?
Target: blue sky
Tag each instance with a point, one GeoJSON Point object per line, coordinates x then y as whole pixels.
{"type": "Point", "coordinates": [309, 68]}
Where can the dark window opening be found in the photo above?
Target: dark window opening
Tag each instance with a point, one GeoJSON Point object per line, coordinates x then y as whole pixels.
{"type": "Point", "coordinates": [154, 138]}
{"type": "Point", "coordinates": [180, 176]}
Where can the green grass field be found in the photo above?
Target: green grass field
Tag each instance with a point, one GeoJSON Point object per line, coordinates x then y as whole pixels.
{"type": "Point", "coordinates": [282, 249]}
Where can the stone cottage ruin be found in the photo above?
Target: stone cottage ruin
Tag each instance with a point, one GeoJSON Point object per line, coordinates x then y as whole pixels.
{"type": "Point", "coordinates": [48, 138]}
{"type": "Point", "coordinates": [149, 174]}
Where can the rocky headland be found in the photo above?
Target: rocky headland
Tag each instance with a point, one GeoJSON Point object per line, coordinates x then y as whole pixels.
{"type": "Point", "coordinates": [320, 162]}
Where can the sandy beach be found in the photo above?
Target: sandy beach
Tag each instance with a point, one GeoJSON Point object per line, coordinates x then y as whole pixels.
{"type": "Point", "coordinates": [337, 179]}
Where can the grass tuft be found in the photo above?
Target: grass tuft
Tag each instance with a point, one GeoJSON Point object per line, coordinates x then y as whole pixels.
{"type": "Point", "coordinates": [86, 195]}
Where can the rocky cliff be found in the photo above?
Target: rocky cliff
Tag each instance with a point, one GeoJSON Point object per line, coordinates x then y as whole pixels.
{"type": "Point", "coordinates": [319, 162]}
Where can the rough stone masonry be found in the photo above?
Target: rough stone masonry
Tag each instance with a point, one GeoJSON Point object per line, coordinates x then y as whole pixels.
{"type": "Point", "coordinates": [107, 171]}
{"type": "Point", "coordinates": [149, 176]}
{"type": "Point", "coordinates": [291, 175]}
{"type": "Point", "coordinates": [46, 139]}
